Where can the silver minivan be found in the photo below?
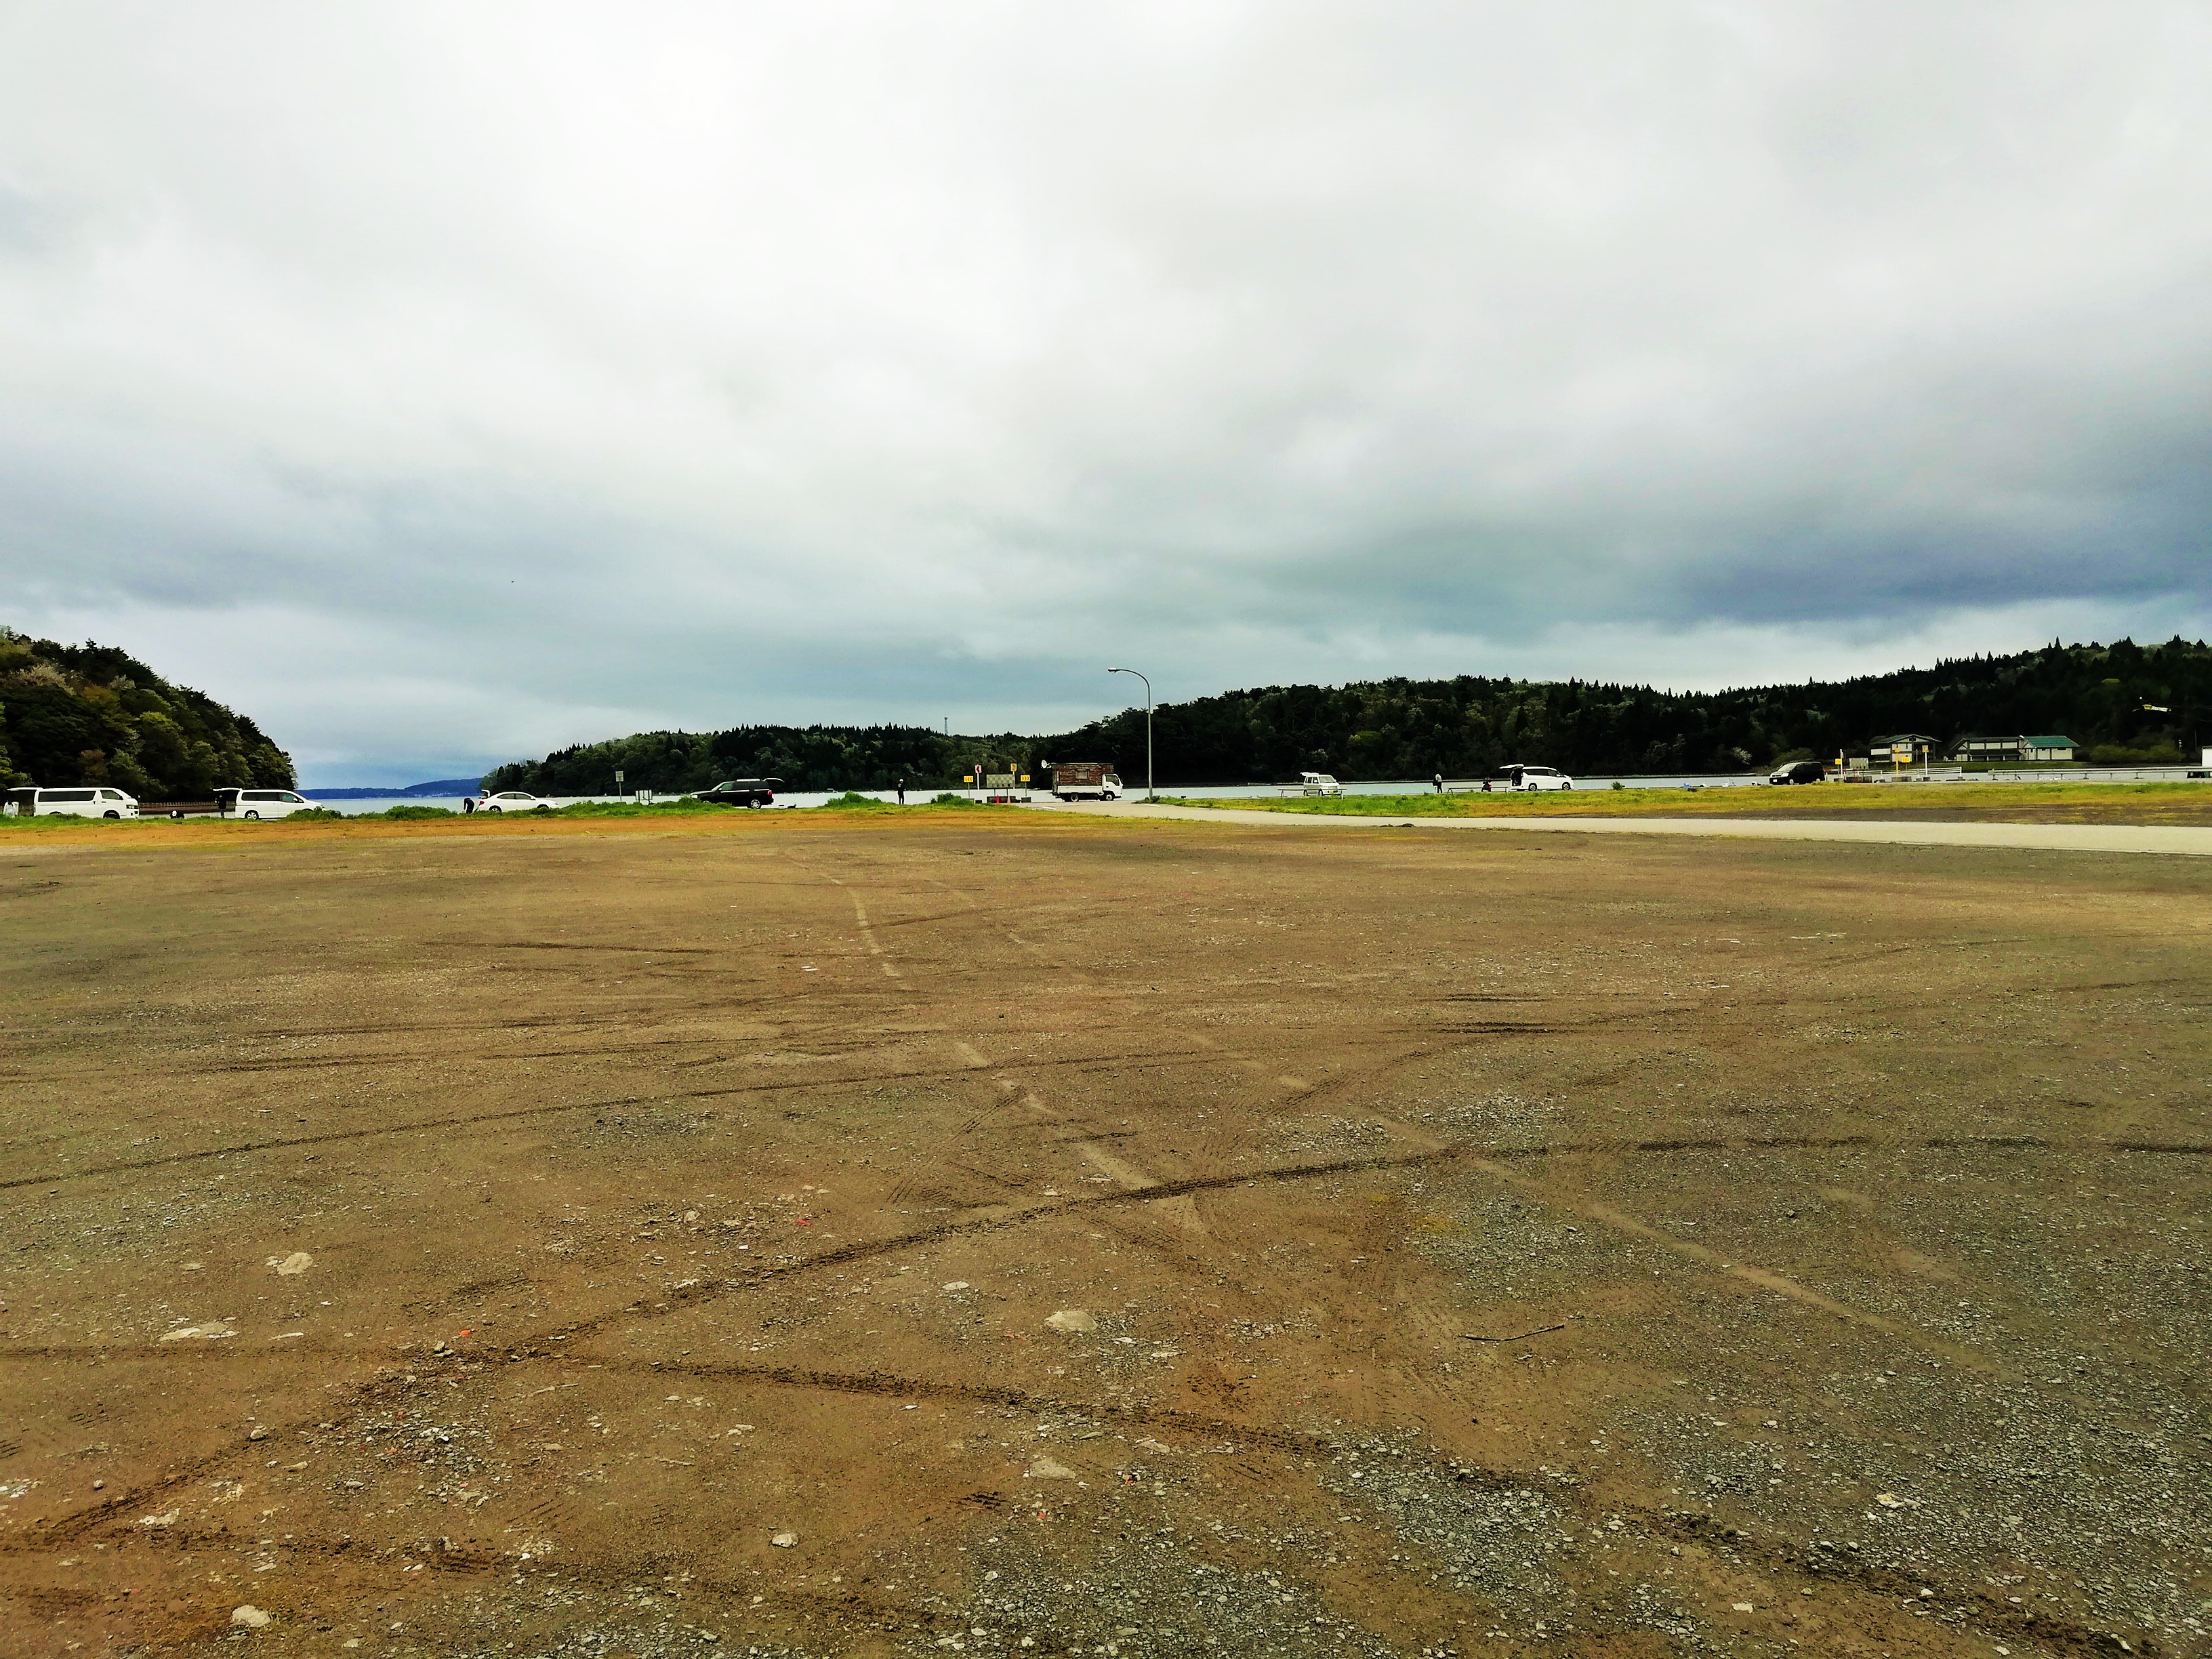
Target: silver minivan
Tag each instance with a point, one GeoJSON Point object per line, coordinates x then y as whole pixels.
{"type": "Point", "coordinates": [90, 801]}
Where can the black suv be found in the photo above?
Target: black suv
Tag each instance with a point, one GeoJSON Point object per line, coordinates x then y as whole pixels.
{"type": "Point", "coordinates": [1799, 772]}
{"type": "Point", "coordinates": [742, 791]}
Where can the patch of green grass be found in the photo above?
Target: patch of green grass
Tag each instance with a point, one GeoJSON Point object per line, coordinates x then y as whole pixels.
{"type": "Point", "coordinates": [853, 801]}
{"type": "Point", "coordinates": [634, 809]}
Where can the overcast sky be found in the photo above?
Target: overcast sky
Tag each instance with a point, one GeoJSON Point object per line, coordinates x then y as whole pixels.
{"type": "Point", "coordinates": [443, 384]}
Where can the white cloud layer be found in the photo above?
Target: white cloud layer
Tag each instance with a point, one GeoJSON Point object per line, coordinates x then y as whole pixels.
{"type": "Point", "coordinates": [441, 384]}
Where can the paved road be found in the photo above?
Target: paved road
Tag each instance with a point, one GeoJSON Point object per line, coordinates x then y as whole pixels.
{"type": "Point", "coordinates": [2181, 840]}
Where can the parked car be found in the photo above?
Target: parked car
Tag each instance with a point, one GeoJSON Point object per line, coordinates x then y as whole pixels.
{"type": "Point", "coordinates": [1319, 783]}
{"type": "Point", "coordinates": [1799, 772]}
{"type": "Point", "coordinates": [742, 791]}
{"type": "Point", "coordinates": [1537, 777]}
{"type": "Point", "coordinates": [514, 800]}
{"type": "Point", "coordinates": [263, 803]}
{"type": "Point", "coordinates": [92, 802]}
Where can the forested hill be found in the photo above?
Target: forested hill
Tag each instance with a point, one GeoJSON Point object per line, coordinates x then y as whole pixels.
{"type": "Point", "coordinates": [1468, 726]}
{"type": "Point", "coordinates": [91, 714]}
{"type": "Point", "coordinates": [804, 757]}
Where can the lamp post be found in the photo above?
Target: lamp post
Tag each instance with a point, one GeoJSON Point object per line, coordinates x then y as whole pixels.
{"type": "Point", "coordinates": [1149, 795]}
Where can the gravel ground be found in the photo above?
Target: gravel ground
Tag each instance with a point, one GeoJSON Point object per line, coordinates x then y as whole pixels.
{"type": "Point", "coordinates": [1049, 1235]}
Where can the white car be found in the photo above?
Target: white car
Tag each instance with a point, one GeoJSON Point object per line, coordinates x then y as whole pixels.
{"type": "Point", "coordinates": [263, 803]}
{"type": "Point", "coordinates": [88, 802]}
{"type": "Point", "coordinates": [514, 800]}
{"type": "Point", "coordinates": [1537, 777]}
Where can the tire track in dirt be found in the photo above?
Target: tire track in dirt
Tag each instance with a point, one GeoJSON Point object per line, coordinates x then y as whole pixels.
{"type": "Point", "coordinates": [890, 1385]}
{"type": "Point", "coordinates": [512, 1115]}
{"type": "Point", "coordinates": [995, 1218]}
{"type": "Point", "coordinates": [1732, 1547]}
{"type": "Point", "coordinates": [988, 1218]}
{"type": "Point", "coordinates": [868, 935]}
{"type": "Point", "coordinates": [1180, 1209]}
{"type": "Point", "coordinates": [240, 1149]}
{"type": "Point", "coordinates": [1620, 1221]}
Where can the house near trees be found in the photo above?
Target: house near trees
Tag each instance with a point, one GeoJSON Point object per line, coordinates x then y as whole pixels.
{"type": "Point", "coordinates": [2049, 747]}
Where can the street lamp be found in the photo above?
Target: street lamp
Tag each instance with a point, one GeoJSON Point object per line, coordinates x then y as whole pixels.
{"type": "Point", "coordinates": [1149, 795]}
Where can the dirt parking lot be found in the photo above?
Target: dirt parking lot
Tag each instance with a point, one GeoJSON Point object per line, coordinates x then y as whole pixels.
{"type": "Point", "coordinates": [996, 1234]}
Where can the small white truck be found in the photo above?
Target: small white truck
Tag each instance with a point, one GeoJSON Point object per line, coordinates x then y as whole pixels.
{"type": "Point", "coordinates": [1084, 781]}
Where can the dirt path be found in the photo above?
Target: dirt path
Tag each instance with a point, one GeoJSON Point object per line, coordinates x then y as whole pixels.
{"type": "Point", "coordinates": [1112, 1235]}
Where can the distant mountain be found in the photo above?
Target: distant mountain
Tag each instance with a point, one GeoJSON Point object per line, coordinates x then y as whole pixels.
{"type": "Point", "coordinates": [437, 786]}
{"type": "Point", "coordinates": [2121, 702]}
{"type": "Point", "coordinates": [92, 713]}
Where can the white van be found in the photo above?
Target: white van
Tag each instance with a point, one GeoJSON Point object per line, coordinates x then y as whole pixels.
{"type": "Point", "coordinates": [89, 802]}
{"type": "Point", "coordinates": [262, 803]}
{"type": "Point", "coordinates": [1537, 777]}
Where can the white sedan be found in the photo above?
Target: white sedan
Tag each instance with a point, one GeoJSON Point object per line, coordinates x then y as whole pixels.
{"type": "Point", "coordinates": [514, 800]}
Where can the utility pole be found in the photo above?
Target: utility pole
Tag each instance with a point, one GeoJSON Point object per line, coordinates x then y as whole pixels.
{"type": "Point", "coordinates": [1149, 795]}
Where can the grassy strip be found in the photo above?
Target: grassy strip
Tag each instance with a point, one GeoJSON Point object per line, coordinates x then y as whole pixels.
{"type": "Point", "coordinates": [2054, 803]}
{"type": "Point", "coordinates": [48, 824]}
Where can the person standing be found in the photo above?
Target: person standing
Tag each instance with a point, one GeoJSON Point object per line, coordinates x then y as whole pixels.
{"type": "Point", "coordinates": [1440, 783]}
{"type": "Point", "coordinates": [902, 791]}
{"type": "Point", "coordinates": [468, 802]}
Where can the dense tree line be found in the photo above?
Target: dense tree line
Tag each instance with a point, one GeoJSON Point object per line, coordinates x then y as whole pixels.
{"type": "Point", "coordinates": [804, 757]}
{"type": "Point", "coordinates": [91, 714]}
{"type": "Point", "coordinates": [1472, 726]}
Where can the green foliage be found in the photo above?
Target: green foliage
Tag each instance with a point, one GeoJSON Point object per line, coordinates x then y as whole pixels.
{"type": "Point", "coordinates": [851, 802]}
{"type": "Point", "coordinates": [804, 757]}
{"type": "Point", "coordinates": [92, 714]}
{"type": "Point", "coordinates": [1467, 728]}
{"type": "Point", "coordinates": [316, 815]}
{"type": "Point", "coordinates": [1472, 727]}
{"type": "Point", "coordinates": [950, 800]}
{"type": "Point", "coordinates": [2148, 754]}
{"type": "Point", "coordinates": [403, 813]}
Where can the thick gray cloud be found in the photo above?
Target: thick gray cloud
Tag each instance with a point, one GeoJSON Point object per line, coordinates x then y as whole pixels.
{"type": "Point", "coordinates": [441, 383]}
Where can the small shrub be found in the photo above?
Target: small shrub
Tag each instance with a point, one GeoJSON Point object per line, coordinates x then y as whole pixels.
{"type": "Point", "coordinates": [406, 813]}
{"type": "Point", "coordinates": [317, 815]}
{"type": "Point", "coordinates": [853, 801]}
{"type": "Point", "coordinates": [948, 799]}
